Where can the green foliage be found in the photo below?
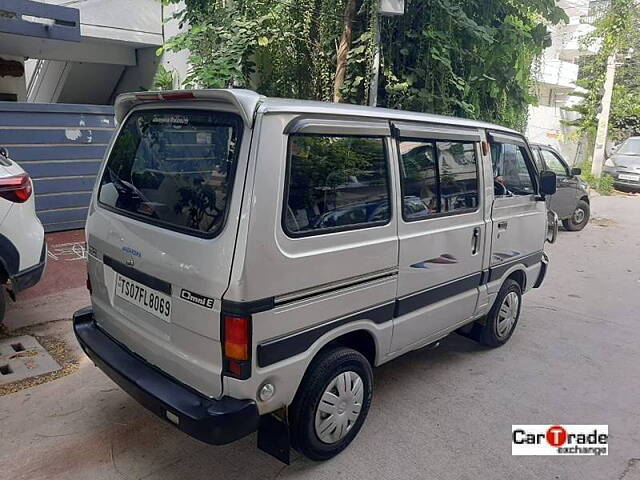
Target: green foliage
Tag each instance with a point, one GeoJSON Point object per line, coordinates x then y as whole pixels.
{"type": "Point", "coordinates": [617, 31]}
{"type": "Point", "coordinates": [470, 58]}
{"type": "Point", "coordinates": [603, 184]}
{"type": "Point", "coordinates": [163, 80]}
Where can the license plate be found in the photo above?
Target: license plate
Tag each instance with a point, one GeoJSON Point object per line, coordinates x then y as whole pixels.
{"type": "Point", "coordinates": [624, 176]}
{"type": "Point", "coordinates": [152, 301]}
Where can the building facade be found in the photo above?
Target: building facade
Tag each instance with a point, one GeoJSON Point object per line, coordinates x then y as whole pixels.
{"type": "Point", "coordinates": [556, 78]}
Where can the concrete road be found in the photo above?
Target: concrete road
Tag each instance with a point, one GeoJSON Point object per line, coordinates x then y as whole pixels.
{"type": "Point", "coordinates": [438, 414]}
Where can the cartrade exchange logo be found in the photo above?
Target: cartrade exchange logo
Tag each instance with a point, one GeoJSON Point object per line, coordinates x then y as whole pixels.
{"type": "Point", "coordinates": [559, 439]}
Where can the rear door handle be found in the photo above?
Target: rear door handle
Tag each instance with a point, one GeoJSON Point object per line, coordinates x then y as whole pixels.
{"type": "Point", "coordinates": [503, 225]}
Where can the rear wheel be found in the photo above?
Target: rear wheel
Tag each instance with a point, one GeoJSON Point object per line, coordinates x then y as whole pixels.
{"type": "Point", "coordinates": [3, 303]}
{"type": "Point", "coordinates": [331, 404]}
{"type": "Point", "coordinates": [579, 218]}
{"type": "Point", "coordinates": [503, 316]}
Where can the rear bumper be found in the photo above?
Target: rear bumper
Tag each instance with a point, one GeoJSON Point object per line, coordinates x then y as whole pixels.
{"type": "Point", "coordinates": [215, 422]}
{"type": "Point", "coordinates": [544, 265]}
{"type": "Point", "coordinates": [28, 277]}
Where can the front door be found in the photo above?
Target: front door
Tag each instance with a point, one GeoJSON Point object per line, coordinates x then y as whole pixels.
{"type": "Point", "coordinates": [563, 202]}
{"type": "Point", "coordinates": [441, 230]}
{"type": "Point", "coordinates": [518, 216]}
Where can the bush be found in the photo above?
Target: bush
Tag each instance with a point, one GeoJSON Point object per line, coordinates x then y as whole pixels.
{"type": "Point", "coordinates": [602, 185]}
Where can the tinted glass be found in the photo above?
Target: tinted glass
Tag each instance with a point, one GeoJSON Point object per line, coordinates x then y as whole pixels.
{"type": "Point", "coordinates": [554, 164]}
{"type": "Point", "coordinates": [458, 176]}
{"type": "Point", "coordinates": [510, 173]}
{"type": "Point", "coordinates": [419, 179]}
{"type": "Point", "coordinates": [173, 168]}
{"type": "Point", "coordinates": [335, 183]}
{"type": "Point", "coordinates": [437, 177]}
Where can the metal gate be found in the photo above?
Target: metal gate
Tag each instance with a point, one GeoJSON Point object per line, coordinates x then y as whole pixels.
{"type": "Point", "coordinates": [61, 147]}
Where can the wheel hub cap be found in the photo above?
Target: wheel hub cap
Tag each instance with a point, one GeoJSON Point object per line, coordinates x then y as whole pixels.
{"type": "Point", "coordinates": [508, 314]}
{"type": "Point", "coordinates": [578, 215]}
{"type": "Point", "coordinates": [339, 407]}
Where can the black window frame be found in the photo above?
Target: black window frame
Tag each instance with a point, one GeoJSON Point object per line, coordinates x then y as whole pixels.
{"type": "Point", "coordinates": [345, 228]}
{"type": "Point", "coordinates": [434, 143]}
{"type": "Point", "coordinates": [562, 162]}
{"type": "Point", "coordinates": [529, 160]}
{"type": "Point", "coordinates": [166, 225]}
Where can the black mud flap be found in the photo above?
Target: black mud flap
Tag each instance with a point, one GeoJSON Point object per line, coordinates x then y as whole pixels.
{"type": "Point", "coordinates": [273, 437]}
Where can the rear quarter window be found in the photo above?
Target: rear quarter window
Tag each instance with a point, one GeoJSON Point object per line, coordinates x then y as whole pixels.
{"type": "Point", "coordinates": [174, 168]}
{"type": "Point", "coordinates": [334, 184]}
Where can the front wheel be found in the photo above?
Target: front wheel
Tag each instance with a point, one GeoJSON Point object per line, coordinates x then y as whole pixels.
{"type": "Point", "coordinates": [3, 304]}
{"type": "Point", "coordinates": [579, 218]}
{"type": "Point", "coordinates": [331, 404]}
{"type": "Point", "coordinates": [503, 316]}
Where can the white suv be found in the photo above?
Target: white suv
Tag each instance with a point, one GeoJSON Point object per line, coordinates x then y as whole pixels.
{"type": "Point", "coordinates": [23, 251]}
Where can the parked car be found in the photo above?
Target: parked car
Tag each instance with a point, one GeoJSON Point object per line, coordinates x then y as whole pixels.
{"type": "Point", "coordinates": [23, 251]}
{"type": "Point", "coordinates": [250, 294]}
{"type": "Point", "coordinates": [624, 165]}
{"type": "Point", "coordinates": [571, 202]}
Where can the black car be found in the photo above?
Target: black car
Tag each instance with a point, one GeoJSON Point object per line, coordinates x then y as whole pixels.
{"type": "Point", "coordinates": [624, 165]}
{"type": "Point", "coordinates": [571, 200]}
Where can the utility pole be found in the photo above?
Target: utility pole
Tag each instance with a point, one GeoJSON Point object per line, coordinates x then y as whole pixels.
{"type": "Point", "coordinates": [375, 69]}
{"type": "Point", "coordinates": [603, 121]}
{"type": "Point", "coordinates": [385, 8]}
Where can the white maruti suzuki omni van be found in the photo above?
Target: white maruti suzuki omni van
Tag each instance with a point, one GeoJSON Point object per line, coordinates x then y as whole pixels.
{"type": "Point", "coordinates": [251, 259]}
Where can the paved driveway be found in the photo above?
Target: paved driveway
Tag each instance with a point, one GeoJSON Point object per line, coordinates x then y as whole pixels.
{"type": "Point", "coordinates": [439, 414]}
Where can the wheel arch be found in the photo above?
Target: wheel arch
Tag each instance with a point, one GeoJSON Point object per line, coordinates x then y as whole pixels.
{"type": "Point", "coordinates": [360, 340]}
{"type": "Point", "coordinates": [520, 276]}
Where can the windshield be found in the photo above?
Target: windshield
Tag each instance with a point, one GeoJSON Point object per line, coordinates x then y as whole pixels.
{"type": "Point", "coordinates": [173, 168]}
{"type": "Point", "coordinates": [631, 146]}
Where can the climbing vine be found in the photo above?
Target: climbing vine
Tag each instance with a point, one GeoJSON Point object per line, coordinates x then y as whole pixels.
{"type": "Point", "coordinates": [470, 58]}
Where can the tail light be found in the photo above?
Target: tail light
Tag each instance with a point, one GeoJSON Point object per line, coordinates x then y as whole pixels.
{"type": "Point", "coordinates": [17, 188]}
{"type": "Point", "coordinates": [237, 345]}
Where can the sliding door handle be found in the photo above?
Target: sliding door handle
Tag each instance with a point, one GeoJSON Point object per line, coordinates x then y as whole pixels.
{"type": "Point", "coordinates": [503, 225]}
{"type": "Point", "coordinates": [475, 241]}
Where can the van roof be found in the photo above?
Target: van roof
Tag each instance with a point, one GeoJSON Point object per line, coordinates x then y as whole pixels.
{"type": "Point", "coordinates": [249, 102]}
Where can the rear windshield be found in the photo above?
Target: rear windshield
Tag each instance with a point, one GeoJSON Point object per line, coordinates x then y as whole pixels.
{"type": "Point", "coordinates": [173, 168]}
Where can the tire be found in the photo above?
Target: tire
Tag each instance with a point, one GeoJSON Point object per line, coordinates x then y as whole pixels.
{"type": "Point", "coordinates": [3, 304]}
{"type": "Point", "coordinates": [306, 412]}
{"type": "Point", "coordinates": [495, 332]}
{"type": "Point", "coordinates": [579, 218]}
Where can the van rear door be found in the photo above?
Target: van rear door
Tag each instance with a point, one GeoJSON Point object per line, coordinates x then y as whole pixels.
{"type": "Point", "coordinates": [162, 232]}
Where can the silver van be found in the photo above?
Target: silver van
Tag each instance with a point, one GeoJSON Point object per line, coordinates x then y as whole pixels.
{"type": "Point", "coordinates": [251, 259]}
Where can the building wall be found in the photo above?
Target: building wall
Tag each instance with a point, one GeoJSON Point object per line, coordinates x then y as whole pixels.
{"type": "Point", "coordinates": [556, 80]}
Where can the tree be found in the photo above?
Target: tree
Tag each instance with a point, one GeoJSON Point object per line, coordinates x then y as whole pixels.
{"type": "Point", "coordinates": [470, 58]}
{"type": "Point", "coordinates": [617, 32]}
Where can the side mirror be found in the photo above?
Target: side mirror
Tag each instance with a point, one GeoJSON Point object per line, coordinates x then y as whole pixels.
{"type": "Point", "coordinates": [4, 152]}
{"type": "Point", "coordinates": [575, 171]}
{"type": "Point", "coordinates": [547, 183]}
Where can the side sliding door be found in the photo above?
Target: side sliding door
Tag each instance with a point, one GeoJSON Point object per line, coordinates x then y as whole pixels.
{"type": "Point", "coordinates": [442, 230]}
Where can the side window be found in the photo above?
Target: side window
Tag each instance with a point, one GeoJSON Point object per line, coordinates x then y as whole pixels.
{"type": "Point", "coordinates": [554, 164]}
{"type": "Point", "coordinates": [335, 183]}
{"type": "Point", "coordinates": [537, 158]}
{"type": "Point", "coordinates": [511, 176]}
{"type": "Point", "coordinates": [458, 176]}
{"type": "Point", "coordinates": [437, 177]}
